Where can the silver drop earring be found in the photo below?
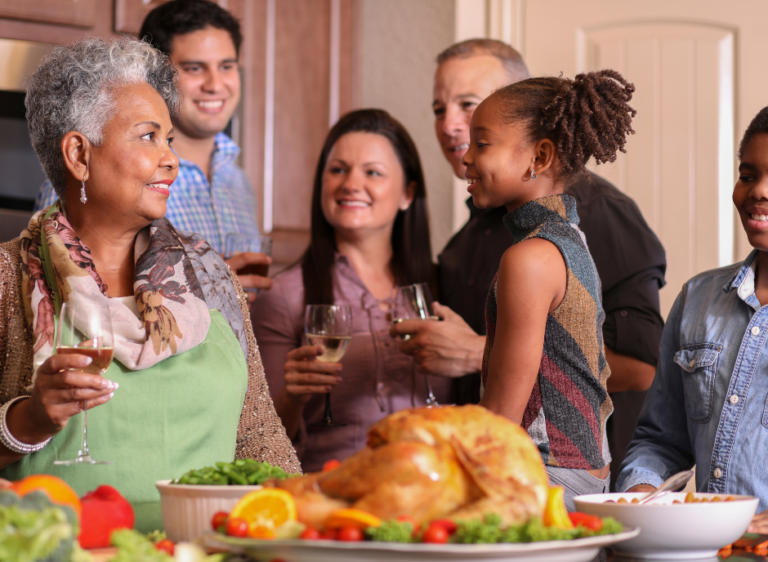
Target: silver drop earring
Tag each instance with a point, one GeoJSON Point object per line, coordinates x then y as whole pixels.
{"type": "Point", "coordinates": [533, 174]}
{"type": "Point", "coordinates": [83, 196]}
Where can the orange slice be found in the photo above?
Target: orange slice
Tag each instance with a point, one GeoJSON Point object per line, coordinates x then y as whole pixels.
{"type": "Point", "coordinates": [269, 506]}
{"type": "Point", "coordinates": [352, 517]}
{"type": "Point", "coordinates": [257, 531]}
{"type": "Point", "coordinates": [58, 491]}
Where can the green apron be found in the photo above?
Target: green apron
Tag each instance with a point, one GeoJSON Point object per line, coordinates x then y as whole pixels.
{"type": "Point", "coordinates": [179, 415]}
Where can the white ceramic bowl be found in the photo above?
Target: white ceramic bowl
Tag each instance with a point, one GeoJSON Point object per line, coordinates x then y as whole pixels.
{"type": "Point", "coordinates": [674, 531]}
{"type": "Point", "coordinates": [187, 510]}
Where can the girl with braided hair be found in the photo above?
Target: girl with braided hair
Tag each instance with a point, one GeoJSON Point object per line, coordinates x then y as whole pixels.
{"type": "Point", "coordinates": [544, 365]}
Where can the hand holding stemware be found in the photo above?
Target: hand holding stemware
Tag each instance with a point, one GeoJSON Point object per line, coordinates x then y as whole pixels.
{"type": "Point", "coordinates": [305, 377]}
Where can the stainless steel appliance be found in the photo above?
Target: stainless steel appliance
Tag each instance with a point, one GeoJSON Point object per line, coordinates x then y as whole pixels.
{"type": "Point", "coordinates": [20, 171]}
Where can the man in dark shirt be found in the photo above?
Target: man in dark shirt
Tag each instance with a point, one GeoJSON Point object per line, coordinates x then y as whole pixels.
{"type": "Point", "coordinates": [629, 257]}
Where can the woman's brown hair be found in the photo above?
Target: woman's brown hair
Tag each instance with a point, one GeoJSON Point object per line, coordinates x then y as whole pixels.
{"type": "Point", "coordinates": [586, 117]}
{"type": "Point", "coordinates": [411, 250]}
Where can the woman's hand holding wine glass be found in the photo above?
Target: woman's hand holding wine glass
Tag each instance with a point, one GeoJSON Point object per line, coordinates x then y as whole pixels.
{"type": "Point", "coordinates": [85, 329]}
{"type": "Point", "coordinates": [70, 381]}
{"type": "Point", "coordinates": [60, 388]}
{"type": "Point", "coordinates": [304, 376]}
{"type": "Point", "coordinates": [328, 326]}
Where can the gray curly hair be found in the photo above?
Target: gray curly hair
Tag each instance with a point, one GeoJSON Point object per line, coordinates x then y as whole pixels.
{"type": "Point", "coordinates": [72, 90]}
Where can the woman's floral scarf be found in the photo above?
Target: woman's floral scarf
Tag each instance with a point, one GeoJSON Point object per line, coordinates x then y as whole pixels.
{"type": "Point", "coordinates": [172, 307]}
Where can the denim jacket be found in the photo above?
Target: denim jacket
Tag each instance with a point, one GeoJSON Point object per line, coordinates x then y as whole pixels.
{"type": "Point", "coordinates": [708, 403]}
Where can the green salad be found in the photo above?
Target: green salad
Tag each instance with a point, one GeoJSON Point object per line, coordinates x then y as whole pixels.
{"type": "Point", "coordinates": [242, 472]}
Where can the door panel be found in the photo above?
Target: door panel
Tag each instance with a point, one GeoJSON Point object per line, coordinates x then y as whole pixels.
{"type": "Point", "coordinates": [671, 168]}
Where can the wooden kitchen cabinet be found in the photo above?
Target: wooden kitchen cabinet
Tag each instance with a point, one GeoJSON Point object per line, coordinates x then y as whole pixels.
{"type": "Point", "coordinates": [78, 13]}
{"type": "Point", "coordinates": [129, 14]}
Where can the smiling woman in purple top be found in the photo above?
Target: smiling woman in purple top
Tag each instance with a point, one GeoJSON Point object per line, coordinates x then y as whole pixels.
{"type": "Point", "coordinates": [369, 234]}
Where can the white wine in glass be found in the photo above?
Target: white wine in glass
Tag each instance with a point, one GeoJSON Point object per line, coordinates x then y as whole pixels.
{"type": "Point", "coordinates": [415, 301]}
{"type": "Point", "coordinates": [329, 325]}
{"type": "Point", "coordinates": [335, 346]}
{"type": "Point", "coordinates": [85, 329]}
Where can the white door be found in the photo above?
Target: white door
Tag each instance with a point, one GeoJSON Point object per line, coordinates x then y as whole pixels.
{"type": "Point", "coordinates": [700, 74]}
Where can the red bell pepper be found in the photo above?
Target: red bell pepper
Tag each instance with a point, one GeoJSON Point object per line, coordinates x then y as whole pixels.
{"type": "Point", "coordinates": [104, 511]}
{"type": "Point", "coordinates": [590, 522]}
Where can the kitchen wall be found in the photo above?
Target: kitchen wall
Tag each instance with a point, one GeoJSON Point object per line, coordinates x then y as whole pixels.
{"type": "Point", "coordinates": [399, 40]}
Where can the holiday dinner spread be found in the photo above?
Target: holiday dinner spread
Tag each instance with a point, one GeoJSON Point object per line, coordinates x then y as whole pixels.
{"type": "Point", "coordinates": [456, 482]}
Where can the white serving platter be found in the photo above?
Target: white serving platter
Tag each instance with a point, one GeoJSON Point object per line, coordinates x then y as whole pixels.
{"type": "Point", "coordinates": [576, 550]}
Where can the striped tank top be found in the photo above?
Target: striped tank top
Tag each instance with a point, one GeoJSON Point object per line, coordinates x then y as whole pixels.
{"type": "Point", "coordinates": [569, 406]}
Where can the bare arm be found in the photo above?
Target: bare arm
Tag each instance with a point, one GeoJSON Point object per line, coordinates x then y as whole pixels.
{"type": "Point", "coordinates": [531, 284]}
{"type": "Point", "coordinates": [627, 372]}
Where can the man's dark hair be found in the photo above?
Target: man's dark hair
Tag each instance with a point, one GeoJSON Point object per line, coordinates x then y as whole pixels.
{"type": "Point", "coordinates": [511, 60]}
{"type": "Point", "coordinates": [179, 17]}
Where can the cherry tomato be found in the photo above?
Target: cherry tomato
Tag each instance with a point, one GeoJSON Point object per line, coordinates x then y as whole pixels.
{"type": "Point", "coordinates": [435, 534]}
{"type": "Point", "coordinates": [310, 534]}
{"type": "Point", "coordinates": [407, 519]}
{"type": "Point", "coordinates": [165, 545]}
{"type": "Point", "coordinates": [237, 527]}
{"type": "Point", "coordinates": [590, 522]}
{"type": "Point", "coordinates": [348, 533]}
{"type": "Point", "coordinates": [449, 526]}
{"type": "Point", "coordinates": [331, 464]}
{"type": "Point", "coordinates": [328, 534]}
{"type": "Point", "coordinates": [219, 519]}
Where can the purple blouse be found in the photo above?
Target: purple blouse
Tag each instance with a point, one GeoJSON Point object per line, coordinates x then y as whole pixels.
{"type": "Point", "coordinates": [377, 379]}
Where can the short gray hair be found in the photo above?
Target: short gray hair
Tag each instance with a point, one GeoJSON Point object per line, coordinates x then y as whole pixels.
{"type": "Point", "coordinates": [511, 60]}
{"type": "Point", "coordinates": [71, 90]}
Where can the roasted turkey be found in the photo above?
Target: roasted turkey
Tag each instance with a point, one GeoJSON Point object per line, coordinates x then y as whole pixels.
{"type": "Point", "coordinates": [454, 462]}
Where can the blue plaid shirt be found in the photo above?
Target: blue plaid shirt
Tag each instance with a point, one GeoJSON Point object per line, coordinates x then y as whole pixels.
{"type": "Point", "coordinates": [212, 209]}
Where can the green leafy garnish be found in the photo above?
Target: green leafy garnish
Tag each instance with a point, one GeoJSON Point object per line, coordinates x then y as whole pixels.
{"type": "Point", "coordinates": [391, 531]}
{"type": "Point", "coordinates": [489, 530]}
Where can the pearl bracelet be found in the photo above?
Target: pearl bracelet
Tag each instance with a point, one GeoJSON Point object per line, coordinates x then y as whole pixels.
{"type": "Point", "coordinates": [7, 439]}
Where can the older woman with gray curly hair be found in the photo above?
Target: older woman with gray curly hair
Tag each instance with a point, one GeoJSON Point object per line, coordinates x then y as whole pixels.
{"type": "Point", "coordinates": [187, 386]}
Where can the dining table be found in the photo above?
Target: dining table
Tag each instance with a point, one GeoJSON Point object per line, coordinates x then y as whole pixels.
{"type": "Point", "coordinates": [751, 547]}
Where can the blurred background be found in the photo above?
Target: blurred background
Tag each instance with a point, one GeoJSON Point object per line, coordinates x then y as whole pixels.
{"type": "Point", "coordinates": [698, 66]}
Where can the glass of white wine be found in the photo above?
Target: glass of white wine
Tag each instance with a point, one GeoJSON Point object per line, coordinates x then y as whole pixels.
{"type": "Point", "coordinates": [85, 329]}
{"type": "Point", "coordinates": [330, 326]}
{"type": "Point", "coordinates": [415, 301]}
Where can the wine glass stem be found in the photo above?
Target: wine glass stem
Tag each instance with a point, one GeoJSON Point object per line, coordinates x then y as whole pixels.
{"type": "Point", "coordinates": [85, 452]}
{"type": "Point", "coordinates": [431, 400]}
{"type": "Point", "coordinates": [327, 418]}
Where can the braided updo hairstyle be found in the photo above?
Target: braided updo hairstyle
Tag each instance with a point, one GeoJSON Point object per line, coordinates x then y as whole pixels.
{"type": "Point", "coordinates": [586, 117]}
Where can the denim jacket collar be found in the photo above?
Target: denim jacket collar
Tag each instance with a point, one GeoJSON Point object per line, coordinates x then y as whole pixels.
{"type": "Point", "coordinates": [744, 281]}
